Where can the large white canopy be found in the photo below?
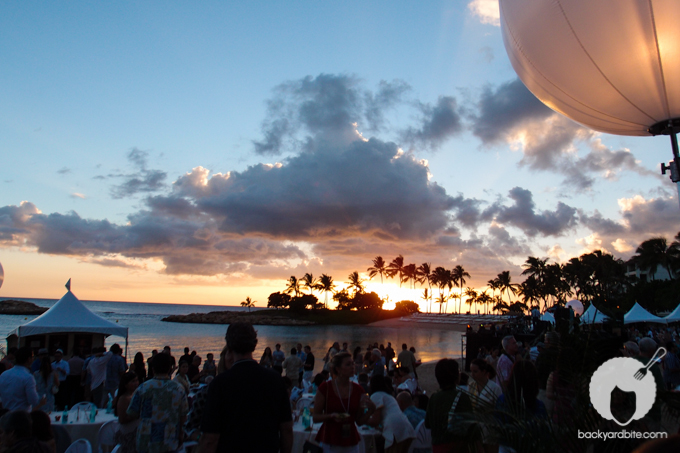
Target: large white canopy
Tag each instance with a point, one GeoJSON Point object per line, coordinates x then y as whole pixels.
{"type": "Point", "coordinates": [69, 315]}
{"type": "Point", "coordinates": [610, 65]}
{"type": "Point", "coordinates": [639, 314]}
{"type": "Point", "coordinates": [548, 317]}
{"type": "Point", "coordinates": [593, 316]}
{"type": "Point", "coordinates": [673, 316]}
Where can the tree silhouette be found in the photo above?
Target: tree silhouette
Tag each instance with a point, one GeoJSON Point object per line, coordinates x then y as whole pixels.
{"type": "Point", "coordinates": [396, 268]}
{"type": "Point", "coordinates": [326, 284]}
{"type": "Point", "coordinates": [459, 275]}
{"type": "Point", "coordinates": [356, 282]}
{"type": "Point", "coordinates": [379, 268]}
{"type": "Point", "coordinates": [248, 303]}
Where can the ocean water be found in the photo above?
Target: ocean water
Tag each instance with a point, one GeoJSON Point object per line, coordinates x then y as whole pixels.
{"type": "Point", "coordinates": [148, 332]}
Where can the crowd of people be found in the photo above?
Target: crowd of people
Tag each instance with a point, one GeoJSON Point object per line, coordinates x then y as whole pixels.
{"type": "Point", "coordinates": [242, 404]}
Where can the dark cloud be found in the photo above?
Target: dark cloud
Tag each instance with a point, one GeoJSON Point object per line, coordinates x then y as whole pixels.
{"type": "Point", "coordinates": [64, 171]}
{"type": "Point", "coordinates": [438, 123]}
{"type": "Point", "coordinates": [328, 105]}
{"type": "Point", "coordinates": [523, 215]}
{"type": "Point", "coordinates": [505, 108]}
{"type": "Point", "coordinates": [598, 224]}
{"type": "Point", "coordinates": [144, 180]}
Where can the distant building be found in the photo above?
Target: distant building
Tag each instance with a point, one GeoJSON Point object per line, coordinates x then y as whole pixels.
{"type": "Point", "coordinates": [632, 270]}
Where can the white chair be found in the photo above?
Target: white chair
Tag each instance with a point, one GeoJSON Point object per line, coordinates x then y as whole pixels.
{"type": "Point", "coordinates": [84, 405]}
{"type": "Point", "coordinates": [303, 402]}
{"type": "Point", "coordinates": [107, 436]}
{"type": "Point", "coordinates": [423, 438]}
{"type": "Point", "coordinates": [80, 446]}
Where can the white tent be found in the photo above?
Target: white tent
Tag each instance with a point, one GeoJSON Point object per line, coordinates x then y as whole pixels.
{"type": "Point", "coordinates": [593, 316]}
{"type": "Point", "coordinates": [548, 317]}
{"type": "Point", "coordinates": [639, 314]}
{"type": "Point", "coordinates": [673, 316]}
{"type": "Point", "coordinates": [69, 315]}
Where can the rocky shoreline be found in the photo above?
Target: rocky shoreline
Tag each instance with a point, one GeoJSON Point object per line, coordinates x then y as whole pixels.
{"type": "Point", "coordinates": [19, 307]}
{"type": "Point", "coordinates": [229, 317]}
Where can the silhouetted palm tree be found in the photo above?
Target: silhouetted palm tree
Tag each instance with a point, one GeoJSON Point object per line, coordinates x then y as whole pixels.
{"type": "Point", "coordinates": [471, 295]}
{"type": "Point", "coordinates": [424, 274]}
{"type": "Point", "coordinates": [356, 282]}
{"type": "Point", "coordinates": [396, 268]}
{"type": "Point", "coordinates": [442, 278]}
{"type": "Point", "coordinates": [653, 253]}
{"type": "Point", "coordinates": [248, 303]}
{"type": "Point", "coordinates": [308, 281]}
{"type": "Point", "coordinates": [504, 282]}
{"type": "Point", "coordinates": [410, 274]}
{"type": "Point", "coordinates": [379, 268]}
{"type": "Point", "coordinates": [293, 286]}
{"type": "Point", "coordinates": [427, 297]}
{"type": "Point", "coordinates": [459, 275]}
{"type": "Point", "coordinates": [485, 300]}
{"type": "Point", "coordinates": [327, 285]}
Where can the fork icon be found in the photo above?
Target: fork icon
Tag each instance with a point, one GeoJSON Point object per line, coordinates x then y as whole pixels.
{"type": "Point", "coordinates": [642, 372]}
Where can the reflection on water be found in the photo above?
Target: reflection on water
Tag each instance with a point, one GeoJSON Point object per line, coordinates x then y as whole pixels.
{"type": "Point", "coordinates": [148, 332]}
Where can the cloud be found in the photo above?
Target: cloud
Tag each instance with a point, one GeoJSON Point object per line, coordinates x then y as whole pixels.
{"type": "Point", "coordinates": [487, 11]}
{"type": "Point", "coordinates": [78, 195]}
{"type": "Point", "coordinates": [523, 215]}
{"type": "Point", "coordinates": [511, 115]}
{"type": "Point", "coordinates": [327, 105]}
{"type": "Point", "coordinates": [144, 180]}
{"type": "Point", "coordinates": [641, 218]}
{"type": "Point", "coordinates": [64, 171]}
{"type": "Point", "coordinates": [437, 124]}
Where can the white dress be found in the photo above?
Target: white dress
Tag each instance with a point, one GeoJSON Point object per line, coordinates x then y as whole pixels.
{"type": "Point", "coordinates": [396, 427]}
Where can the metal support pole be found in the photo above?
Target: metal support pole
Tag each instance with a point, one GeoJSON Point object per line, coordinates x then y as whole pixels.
{"type": "Point", "coordinates": [675, 176]}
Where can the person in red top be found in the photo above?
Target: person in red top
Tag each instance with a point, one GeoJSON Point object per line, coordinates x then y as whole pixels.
{"type": "Point", "coordinates": [340, 404]}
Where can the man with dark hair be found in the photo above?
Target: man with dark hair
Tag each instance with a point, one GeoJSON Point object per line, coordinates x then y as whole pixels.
{"type": "Point", "coordinates": [17, 434]}
{"type": "Point", "coordinates": [278, 357]}
{"type": "Point", "coordinates": [448, 400]}
{"type": "Point", "coordinates": [186, 357]}
{"type": "Point", "coordinates": [63, 370]}
{"type": "Point", "coordinates": [17, 385]}
{"type": "Point", "coordinates": [247, 407]}
{"type": "Point", "coordinates": [161, 405]}
{"type": "Point", "coordinates": [407, 359]}
{"type": "Point", "coordinates": [309, 364]}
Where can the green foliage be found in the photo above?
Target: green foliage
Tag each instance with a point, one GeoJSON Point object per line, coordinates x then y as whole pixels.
{"type": "Point", "coordinates": [407, 307]}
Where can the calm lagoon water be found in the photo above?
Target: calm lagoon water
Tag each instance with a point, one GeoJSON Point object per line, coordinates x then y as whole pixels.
{"type": "Point", "coordinates": [148, 332]}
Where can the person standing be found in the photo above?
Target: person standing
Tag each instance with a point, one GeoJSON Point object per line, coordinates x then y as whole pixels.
{"type": "Point", "coordinates": [75, 390]}
{"type": "Point", "coordinates": [506, 361]}
{"type": "Point", "coordinates": [161, 406]}
{"type": "Point", "coordinates": [302, 355]}
{"type": "Point", "coordinates": [292, 365]}
{"type": "Point", "coordinates": [389, 353]}
{"type": "Point", "coordinates": [17, 385]}
{"type": "Point", "coordinates": [278, 357]}
{"type": "Point", "coordinates": [309, 364]}
{"type": "Point", "coordinates": [407, 359]}
{"type": "Point", "coordinates": [247, 408]}
{"type": "Point", "coordinates": [63, 370]}
{"type": "Point", "coordinates": [97, 370]}
{"type": "Point", "coordinates": [115, 369]}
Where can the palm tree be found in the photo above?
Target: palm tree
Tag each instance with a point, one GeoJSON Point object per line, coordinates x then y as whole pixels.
{"type": "Point", "coordinates": [308, 281]}
{"type": "Point", "coordinates": [396, 268]}
{"type": "Point", "coordinates": [653, 253]}
{"type": "Point", "coordinates": [504, 282]}
{"type": "Point", "coordinates": [493, 286]}
{"type": "Point", "coordinates": [410, 274]}
{"type": "Point", "coordinates": [327, 285]}
{"type": "Point", "coordinates": [379, 268]}
{"type": "Point", "coordinates": [471, 295]}
{"type": "Point", "coordinates": [459, 275]}
{"type": "Point", "coordinates": [424, 274]}
{"type": "Point", "coordinates": [442, 278]}
{"type": "Point", "coordinates": [356, 282]}
{"type": "Point", "coordinates": [293, 286]}
{"type": "Point", "coordinates": [427, 296]}
{"type": "Point", "coordinates": [530, 291]}
{"type": "Point", "coordinates": [248, 303]}
{"type": "Point", "coordinates": [485, 300]}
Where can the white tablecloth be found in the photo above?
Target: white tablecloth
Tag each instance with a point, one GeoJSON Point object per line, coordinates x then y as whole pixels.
{"type": "Point", "coordinates": [81, 429]}
{"type": "Point", "coordinates": [300, 436]}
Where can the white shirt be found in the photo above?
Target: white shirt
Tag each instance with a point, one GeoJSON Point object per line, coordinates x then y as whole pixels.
{"type": "Point", "coordinates": [396, 426]}
{"type": "Point", "coordinates": [97, 368]}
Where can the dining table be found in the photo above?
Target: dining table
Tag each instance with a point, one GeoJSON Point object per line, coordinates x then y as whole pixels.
{"type": "Point", "coordinates": [301, 435]}
{"type": "Point", "coordinates": [79, 426]}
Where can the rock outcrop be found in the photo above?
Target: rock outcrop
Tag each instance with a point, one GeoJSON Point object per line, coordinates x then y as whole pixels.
{"type": "Point", "coordinates": [229, 317]}
{"type": "Point", "coordinates": [20, 307]}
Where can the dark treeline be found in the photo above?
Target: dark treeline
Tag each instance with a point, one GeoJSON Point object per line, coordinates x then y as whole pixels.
{"type": "Point", "coordinates": [596, 277]}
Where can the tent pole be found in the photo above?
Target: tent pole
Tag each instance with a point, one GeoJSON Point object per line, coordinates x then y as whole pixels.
{"type": "Point", "coordinates": [126, 344]}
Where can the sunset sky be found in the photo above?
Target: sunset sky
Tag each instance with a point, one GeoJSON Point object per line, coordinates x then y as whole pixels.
{"type": "Point", "coordinates": [205, 152]}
